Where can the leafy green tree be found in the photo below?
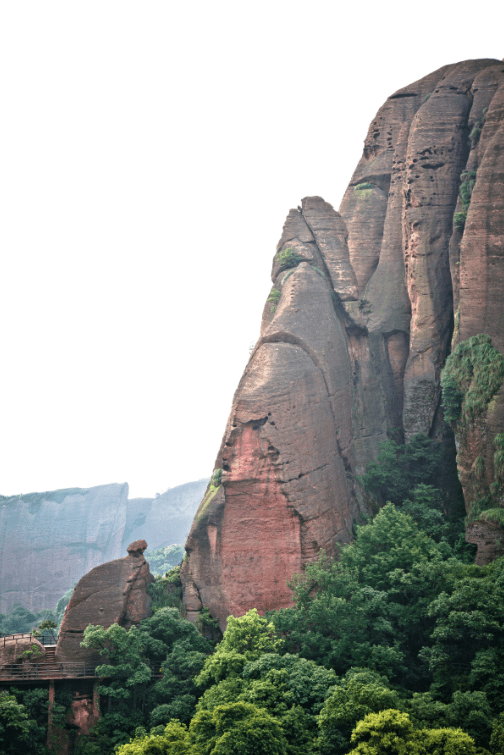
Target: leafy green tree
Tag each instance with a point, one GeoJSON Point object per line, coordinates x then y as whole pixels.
{"type": "Point", "coordinates": [174, 740]}
{"type": "Point", "coordinates": [401, 467]}
{"type": "Point", "coordinates": [361, 692]}
{"type": "Point", "coordinates": [391, 732]}
{"type": "Point", "coordinates": [35, 702]}
{"type": "Point", "coordinates": [289, 688]}
{"type": "Point", "coordinates": [236, 728]}
{"type": "Point", "coordinates": [125, 670]}
{"type": "Point", "coordinates": [246, 638]}
{"type": "Point", "coordinates": [468, 649]}
{"type": "Point", "coordinates": [15, 726]}
{"type": "Point", "coordinates": [467, 710]}
{"type": "Point", "coordinates": [370, 608]}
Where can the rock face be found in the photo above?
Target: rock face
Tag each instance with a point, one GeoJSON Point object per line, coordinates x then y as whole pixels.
{"type": "Point", "coordinates": [48, 541]}
{"type": "Point", "coordinates": [354, 336]}
{"type": "Point", "coordinates": [112, 593]}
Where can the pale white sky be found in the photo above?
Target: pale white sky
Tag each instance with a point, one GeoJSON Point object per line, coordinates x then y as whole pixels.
{"type": "Point", "coordinates": [150, 152]}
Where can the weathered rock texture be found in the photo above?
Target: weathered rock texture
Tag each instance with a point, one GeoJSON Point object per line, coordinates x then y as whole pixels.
{"type": "Point", "coordinates": [48, 541]}
{"type": "Point", "coordinates": [112, 593]}
{"type": "Point", "coordinates": [354, 337]}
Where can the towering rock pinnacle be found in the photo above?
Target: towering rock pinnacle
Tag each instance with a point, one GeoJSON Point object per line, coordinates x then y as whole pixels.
{"type": "Point", "coordinates": [354, 335]}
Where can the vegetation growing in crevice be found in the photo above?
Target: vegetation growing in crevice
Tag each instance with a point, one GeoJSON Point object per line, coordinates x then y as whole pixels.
{"type": "Point", "coordinates": [365, 306]}
{"type": "Point", "coordinates": [211, 491]}
{"type": "Point", "coordinates": [273, 298]}
{"type": "Point", "coordinates": [472, 375]}
{"type": "Point", "coordinates": [467, 181]}
{"type": "Point", "coordinates": [287, 275]}
{"type": "Point", "coordinates": [363, 190]}
{"type": "Point", "coordinates": [287, 258]}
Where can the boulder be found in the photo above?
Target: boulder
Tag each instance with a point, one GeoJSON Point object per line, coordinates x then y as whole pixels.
{"type": "Point", "coordinates": [112, 593]}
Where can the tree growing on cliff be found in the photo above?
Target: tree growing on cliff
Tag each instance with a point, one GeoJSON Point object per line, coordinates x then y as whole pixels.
{"type": "Point", "coordinates": [401, 467]}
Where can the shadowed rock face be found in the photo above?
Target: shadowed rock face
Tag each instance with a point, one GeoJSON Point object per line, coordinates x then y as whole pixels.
{"type": "Point", "coordinates": [112, 593]}
{"type": "Point", "coordinates": [353, 343]}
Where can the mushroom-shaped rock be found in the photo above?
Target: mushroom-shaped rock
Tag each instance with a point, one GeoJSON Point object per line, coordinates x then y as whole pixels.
{"type": "Point", "coordinates": [113, 593]}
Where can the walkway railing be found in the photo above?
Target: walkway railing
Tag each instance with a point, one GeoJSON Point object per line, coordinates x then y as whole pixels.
{"type": "Point", "coordinates": [53, 670]}
{"type": "Point", "coordinates": [46, 638]}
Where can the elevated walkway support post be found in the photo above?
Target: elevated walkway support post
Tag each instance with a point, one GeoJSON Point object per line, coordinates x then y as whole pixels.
{"type": "Point", "coordinates": [96, 700]}
{"type": "Point", "coordinates": [50, 714]}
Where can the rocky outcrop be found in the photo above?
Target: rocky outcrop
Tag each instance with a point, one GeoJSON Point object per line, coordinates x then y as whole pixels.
{"type": "Point", "coordinates": [20, 649]}
{"type": "Point", "coordinates": [354, 336]}
{"type": "Point", "coordinates": [48, 541]}
{"type": "Point", "coordinates": [112, 593]}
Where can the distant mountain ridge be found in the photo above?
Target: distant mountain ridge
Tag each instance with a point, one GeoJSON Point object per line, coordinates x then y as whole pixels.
{"type": "Point", "coordinates": [49, 540]}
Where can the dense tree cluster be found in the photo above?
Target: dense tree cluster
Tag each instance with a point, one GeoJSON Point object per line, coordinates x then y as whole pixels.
{"type": "Point", "coordinates": [396, 647]}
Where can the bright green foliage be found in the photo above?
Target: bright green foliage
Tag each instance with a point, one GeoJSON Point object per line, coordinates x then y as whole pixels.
{"type": "Point", "coordinates": [371, 607]}
{"type": "Point", "coordinates": [401, 467]}
{"type": "Point", "coordinates": [236, 728]}
{"type": "Point", "coordinates": [173, 741]}
{"type": "Point", "coordinates": [362, 692]}
{"type": "Point", "coordinates": [472, 376]}
{"type": "Point", "coordinates": [391, 732]}
{"type": "Point", "coordinates": [287, 258]}
{"type": "Point", "coordinates": [165, 558]}
{"type": "Point", "coordinates": [246, 638]}
{"type": "Point", "coordinates": [15, 726]}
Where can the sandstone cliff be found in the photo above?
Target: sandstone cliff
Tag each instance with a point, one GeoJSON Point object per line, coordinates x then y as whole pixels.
{"type": "Point", "coordinates": [363, 311]}
{"type": "Point", "coordinates": [48, 541]}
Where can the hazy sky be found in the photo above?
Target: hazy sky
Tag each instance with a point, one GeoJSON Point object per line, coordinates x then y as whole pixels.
{"type": "Point", "coordinates": [150, 152]}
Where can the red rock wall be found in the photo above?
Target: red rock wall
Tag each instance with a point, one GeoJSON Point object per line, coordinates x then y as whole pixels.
{"type": "Point", "coordinates": [353, 350]}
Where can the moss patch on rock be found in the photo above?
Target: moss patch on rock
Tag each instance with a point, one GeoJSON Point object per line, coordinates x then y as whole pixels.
{"type": "Point", "coordinates": [472, 376]}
